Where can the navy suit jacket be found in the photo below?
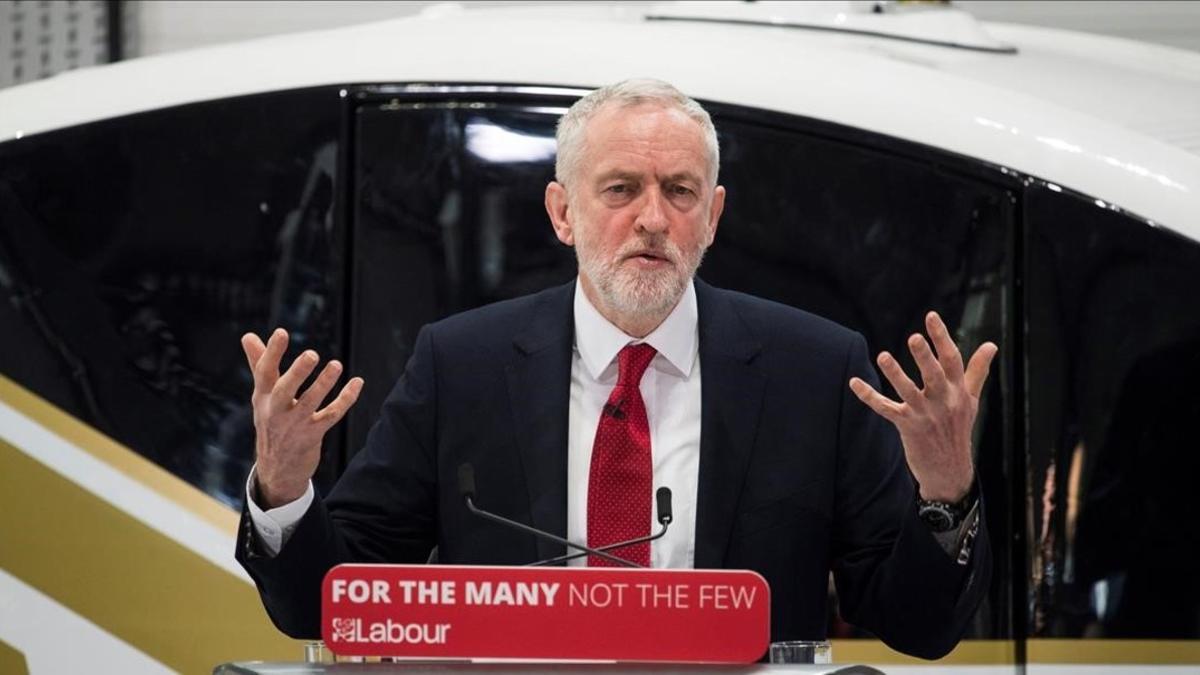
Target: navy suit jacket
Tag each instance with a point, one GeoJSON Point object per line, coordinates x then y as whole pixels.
{"type": "Point", "coordinates": [797, 476]}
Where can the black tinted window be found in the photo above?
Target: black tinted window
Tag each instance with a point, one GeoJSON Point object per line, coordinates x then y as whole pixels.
{"type": "Point", "coordinates": [449, 215]}
{"type": "Point", "coordinates": [136, 251]}
{"type": "Point", "coordinates": [1113, 358]}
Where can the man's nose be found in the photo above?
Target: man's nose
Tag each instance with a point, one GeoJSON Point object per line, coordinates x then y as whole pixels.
{"type": "Point", "coordinates": [653, 215]}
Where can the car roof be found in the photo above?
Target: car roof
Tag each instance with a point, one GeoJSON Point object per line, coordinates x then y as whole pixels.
{"type": "Point", "coordinates": [1114, 119]}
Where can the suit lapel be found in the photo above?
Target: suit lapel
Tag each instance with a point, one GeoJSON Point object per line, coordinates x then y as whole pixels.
{"type": "Point", "coordinates": [539, 388]}
{"type": "Point", "coordinates": [732, 384]}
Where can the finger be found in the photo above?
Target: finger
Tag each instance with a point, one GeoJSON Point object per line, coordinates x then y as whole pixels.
{"type": "Point", "coordinates": [253, 346]}
{"type": "Point", "coordinates": [932, 375]}
{"type": "Point", "coordinates": [266, 371]}
{"type": "Point", "coordinates": [336, 410]}
{"type": "Point", "coordinates": [285, 390]}
{"type": "Point", "coordinates": [947, 352]}
{"type": "Point", "coordinates": [321, 387]}
{"type": "Point", "coordinates": [895, 374]}
{"type": "Point", "coordinates": [884, 406]}
{"type": "Point", "coordinates": [977, 369]}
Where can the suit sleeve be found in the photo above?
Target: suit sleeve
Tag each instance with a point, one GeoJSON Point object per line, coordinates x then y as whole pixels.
{"type": "Point", "coordinates": [892, 576]}
{"type": "Point", "coordinates": [382, 510]}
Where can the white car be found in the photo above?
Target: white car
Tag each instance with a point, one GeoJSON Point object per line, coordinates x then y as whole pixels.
{"type": "Point", "coordinates": [1039, 188]}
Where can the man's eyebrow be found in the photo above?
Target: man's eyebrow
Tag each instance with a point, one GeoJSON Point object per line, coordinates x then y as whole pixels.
{"type": "Point", "coordinates": [618, 174]}
{"type": "Point", "coordinates": [683, 176]}
{"type": "Point", "coordinates": [632, 176]}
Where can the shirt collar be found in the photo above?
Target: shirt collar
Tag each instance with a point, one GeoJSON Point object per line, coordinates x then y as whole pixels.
{"type": "Point", "coordinates": [675, 339]}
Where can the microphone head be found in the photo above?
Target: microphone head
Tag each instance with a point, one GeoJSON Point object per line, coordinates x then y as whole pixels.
{"type": "Point", "coordinates": [466, 480]}
{"type": "Point", "coordinates": [663, 496]}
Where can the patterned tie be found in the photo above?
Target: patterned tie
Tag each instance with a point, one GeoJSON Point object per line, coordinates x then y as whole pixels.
{"type": "Point", "coordinates": [619, 481]}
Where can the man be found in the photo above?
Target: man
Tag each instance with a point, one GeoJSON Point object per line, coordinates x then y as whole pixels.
{"type": "Point", "coordinates": [573, 404]}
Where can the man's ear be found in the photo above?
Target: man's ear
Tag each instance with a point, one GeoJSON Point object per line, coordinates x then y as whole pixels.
{"type": "Point", "coordinates": [560, 216]}
{"type": "Point", "coordinates": [714, 213]}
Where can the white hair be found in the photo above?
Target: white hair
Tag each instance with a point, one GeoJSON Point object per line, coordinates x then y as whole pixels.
{"type": "Point", "coordinates": [570, 133]}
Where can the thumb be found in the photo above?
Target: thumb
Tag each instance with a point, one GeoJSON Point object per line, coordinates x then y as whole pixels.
{"type": "Point", "coordinates": [977, 369]}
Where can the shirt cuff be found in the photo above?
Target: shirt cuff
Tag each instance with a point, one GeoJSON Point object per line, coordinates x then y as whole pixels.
{"type": "Point", "coordinates": [274, 526]}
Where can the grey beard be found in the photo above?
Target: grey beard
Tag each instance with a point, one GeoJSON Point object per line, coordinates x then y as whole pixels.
{"type": "Point", "coordinates": [642, 296]}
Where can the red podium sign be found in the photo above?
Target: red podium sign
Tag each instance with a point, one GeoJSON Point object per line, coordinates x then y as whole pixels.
{"type": "Point", "coordinates": [468, 612]}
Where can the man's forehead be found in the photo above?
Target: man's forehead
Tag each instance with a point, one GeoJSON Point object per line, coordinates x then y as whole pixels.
{"type": "Point", "coordinates": [618, 136]}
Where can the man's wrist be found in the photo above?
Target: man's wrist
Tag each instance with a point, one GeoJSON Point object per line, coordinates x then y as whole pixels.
{"type": "Point", "coordinates": [268, 498]}
{"type": "Point", "coordinates": [951, 493]}
{"type": "Point", "coordinates": [273, 527]}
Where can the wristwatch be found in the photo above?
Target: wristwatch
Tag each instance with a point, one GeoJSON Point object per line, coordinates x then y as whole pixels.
{"type": "Point", "coordinates": [945, 516]}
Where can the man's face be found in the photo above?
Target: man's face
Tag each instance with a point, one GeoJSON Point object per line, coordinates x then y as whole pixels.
{"type": "Point", "coordinates": [640, 210]}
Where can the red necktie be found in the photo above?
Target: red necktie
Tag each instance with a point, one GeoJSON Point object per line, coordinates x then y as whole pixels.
{"type": "Point", "coordinates": [619, 481]}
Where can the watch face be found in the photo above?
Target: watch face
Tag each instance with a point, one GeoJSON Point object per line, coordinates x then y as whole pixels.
{"type": "Point", "coordinates": [937, 517]}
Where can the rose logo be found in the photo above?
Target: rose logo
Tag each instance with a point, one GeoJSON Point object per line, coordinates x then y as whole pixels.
{"type": "Point", "coordinates": [344, 629]}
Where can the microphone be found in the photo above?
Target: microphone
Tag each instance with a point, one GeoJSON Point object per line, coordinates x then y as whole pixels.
{"type": "Point", "coordinates": [662, 496]}
{"type": "Point", "coordinates": [466, 489]}
{"type": "Point", "coordinates": [466, 481]}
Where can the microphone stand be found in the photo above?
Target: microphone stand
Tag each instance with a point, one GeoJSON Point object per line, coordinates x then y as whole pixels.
{"type": "Point", "coordinates": [470, 501]}
{"type": "Point", "coordinates": [466, 488]}
{"type": "Point", "coordinates": [666, 522]}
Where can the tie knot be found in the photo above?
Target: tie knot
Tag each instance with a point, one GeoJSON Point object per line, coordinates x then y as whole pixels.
{"type": "Point", "coordinates": [631, 363]}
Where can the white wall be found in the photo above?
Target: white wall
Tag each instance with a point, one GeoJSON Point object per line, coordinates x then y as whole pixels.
{"type": "Point", "coordinates": [38, 39]}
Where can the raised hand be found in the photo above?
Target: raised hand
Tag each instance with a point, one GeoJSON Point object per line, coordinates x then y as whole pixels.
{"type": "Point", "coordinates": [935, 421]}
{"type": "Point", "coordinates": [289, 428]}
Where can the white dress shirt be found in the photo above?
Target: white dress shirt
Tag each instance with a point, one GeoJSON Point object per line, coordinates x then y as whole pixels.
{"type": "Point", "coordinates": [671, 390]}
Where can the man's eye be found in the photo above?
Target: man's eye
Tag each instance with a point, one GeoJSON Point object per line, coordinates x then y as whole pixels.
{"type": "Point", "coordinates": [681, 190]}
{"type": "Point", "coordinates": [618, 189]}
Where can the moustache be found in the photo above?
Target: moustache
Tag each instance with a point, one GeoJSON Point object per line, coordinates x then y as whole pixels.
{"type": "Point", "coordinates": [663, 249]}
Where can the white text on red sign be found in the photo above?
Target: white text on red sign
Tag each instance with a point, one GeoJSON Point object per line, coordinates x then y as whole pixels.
{"type": "Point", "coordinates": [542, 594]}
